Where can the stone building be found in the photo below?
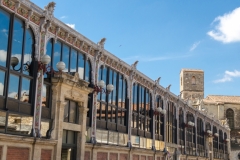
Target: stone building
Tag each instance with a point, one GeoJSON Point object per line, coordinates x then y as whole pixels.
{"type": "Point", "coordinates": [225, 109]}
{"type": "Point", "coordinates": [60, 109]}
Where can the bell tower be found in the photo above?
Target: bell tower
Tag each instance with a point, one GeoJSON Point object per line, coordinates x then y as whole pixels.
{"type": "Point", "coordinates": [192, 84]}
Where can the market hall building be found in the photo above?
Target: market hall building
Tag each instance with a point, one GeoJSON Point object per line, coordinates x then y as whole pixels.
{"type": "Point", "coordinates": [52, 106]}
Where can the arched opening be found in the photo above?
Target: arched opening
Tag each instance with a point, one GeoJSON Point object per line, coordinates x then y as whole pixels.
{"type": "Point", "coordinates": [230, 117]}
{"type": "Point", "coordinates": [193, 80]}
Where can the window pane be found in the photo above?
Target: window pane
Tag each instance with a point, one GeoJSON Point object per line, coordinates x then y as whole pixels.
{"type": "Point", "coordinates": [19, 124]}
{"type": "Point", "coordinates": [4, 27]}
{"type": "Point", "coordinates": [25, 90]}
{"type": "Point", "coordinates": [72, 112]}
{"type": "Point", "coordinates": [64, 136]}
{"type": "Point", "coordinates": [45, 95]}
{"type": "Point", "coordinates": [103, 111]}
{"type": "Point", "coordinates": [115, 88]}
{"type": "Point", "coordinates": [104, 78]}
{"type": "Point", "coordinates": [56, 55]}
{"type": "Point", "coordinates": [65, 57]}
{"type": "Point", "coordinates": [70, 137]}
{"type": "Point", "coordinates": [124, 93]}
{"type": "Point", "coordinates": [65, 116]}
{"type": "Point", "coordinates": [13, 86]}
{"type": "Point", "coordinates": [110, 81]}
{"type": "Point", "coordinates": [120, 91]}
{"type": "Point", "coordinates": [2, 76]}
{"type": "Point", "coordinates": [2, 121]}
{"type": "Point", "coordinates": [87, 71]}
{"type": "Point", "coordinates": [73, 63]}
{"type": "Point", "coordinates": [17, 42]}
{"type": "Point", "coordinates": [80, 65]}
{"type": "Point", "coordinates": [28, 49]}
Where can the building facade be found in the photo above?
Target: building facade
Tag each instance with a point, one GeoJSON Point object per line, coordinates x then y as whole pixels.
{"type": "Point", "coordinates": [46, 114]}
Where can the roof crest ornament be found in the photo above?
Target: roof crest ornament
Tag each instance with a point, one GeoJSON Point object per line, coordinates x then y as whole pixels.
{"type": "Point", "coordinates": [48, 10]}
{"type": "Point", "coordinates": [101, 43]}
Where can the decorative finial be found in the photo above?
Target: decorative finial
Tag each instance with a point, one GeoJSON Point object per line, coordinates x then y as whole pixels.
{"type": "Point", "coordinates": [134, 65]}
{"type": "Point", "coordinates": [48, 10]}
{"type": "Point", "coordinates": [157, 81]}
{"type": "Point", "coordinates": [101, 43]}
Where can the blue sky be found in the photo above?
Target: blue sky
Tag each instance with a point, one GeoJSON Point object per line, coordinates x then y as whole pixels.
{"type": "Point", "coordinates": [165, 36]}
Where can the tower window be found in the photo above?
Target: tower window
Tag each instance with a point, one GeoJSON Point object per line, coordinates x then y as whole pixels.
{"type": "Point", "coordinates": [193, 80]}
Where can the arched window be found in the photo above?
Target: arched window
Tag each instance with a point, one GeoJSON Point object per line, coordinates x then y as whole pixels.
{"type": "Point", "coordinates": [193, 80]}
{"type": "Point", "coordinates": [181, 130]}
{"type": "Point", "coordinates": [191, 149]}
{"type": "Point", "coordinates": [159, 126]}
{"type": "Point", "coordinates": [171, 132]}
{"type": "Point", "coordinates": [17, 74]}
{"type": "Point", "coordinates": [230, 117]}
{"type": "Point", "coordinates": [200, 137]}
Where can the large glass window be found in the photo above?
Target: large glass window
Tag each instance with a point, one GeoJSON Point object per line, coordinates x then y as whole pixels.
{"type": "Point", "coordinates": [17, 74]}
{"type": "Point", "coordinates": [200, 137]}
{"type": "Point", "coordinates": [141, 115]}
{"type": "Point", "coordinates": [74, 61]}
{"type": "Point", "coordinates": [215, 142]}
{"type": "Point", "coordinates": [111, 108]}
{"type": "Point", "coordinates": [181, 130]}
{"type": "Point", "coordinates": [159, 126]}
{"type": "Point", "coordinates": [171, 123]}
{"type": "Point", "coordinates": [221, 145]}
{"type": "Point", "coordinates": [191, 148]}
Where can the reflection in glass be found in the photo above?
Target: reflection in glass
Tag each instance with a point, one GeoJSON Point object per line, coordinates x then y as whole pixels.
{"type": "Point", "coordinates": [13, 86]}
{"type": "Point", "coordinates": [45, 95]}
{"type": "Point", "coordinates": [73, 112]}
{"type": "Point", "coordinates": [65, 56]}
{"type": "Point", "coordinates": [87, 71]}
{"type": "Point", "coordinates": [110, 78]}
{"type": "Point", "coordinates": [120, 90]}
{"type": "Point", "coordinates": [44, 127]}
{"type": "Point", "coordinates": [98, 110]}
{"type": "Point", "coordinates": [2, 121]}
{"type": "Point", "coordinates": [56, 55]}
{"type": "Point", "coordinates": [64, 137]}
{"type": "Point", "coordinates": [109, 113]}
{"type": "Point", "coordinates": [19, 124]}
{"type": "Point", "coordinates": [123, 139]}
{"type": "Point", "coordinates": [17, 41]}
{"type": "Point", "coordinates": [114, 90]}
{"type": "Point", "coordinates": [65, 115]}
{"type": "Point", "coordinates": [103, 111]}
{"type": "Point", "coordinates": [104, 78]}
{"type": "Point", "coordinates": [25, 90]}
{"type": "Point", "coordinates": [73, 61]}
{"type": "Point", "coordinates": [4, 26]}
{"type": "Point", "coordinates": [135, 141]}
{"type": "Point", "coordinates": [70, 137]}
{"type": "Point", "coordinates": [28, 49]}
{"type": "Point", "coordinates": [80, 65]}
{"type": "Point", "coordinates": [2, 76]}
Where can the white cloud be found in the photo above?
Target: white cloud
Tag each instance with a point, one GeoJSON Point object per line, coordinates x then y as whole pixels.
{"type": "Point", "coordinates": [62, 17]}
{"type": "Point", "coordinates": [227, 27]}
{"type": "Point", "coordinates": [151, 59]}
{"type": "Point", "coordinates": [194, 46]}
{"type": "Point", "coordinates": [3, 55]}
{"type": "Point", "coordinates": [228, 76]}
{"type": "Point", "coordinates": [71, 25]}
